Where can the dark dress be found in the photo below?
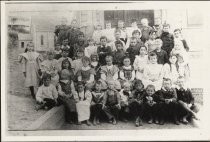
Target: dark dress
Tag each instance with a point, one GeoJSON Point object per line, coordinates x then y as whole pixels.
{"type": "Point", "coordinates": [168, 42]}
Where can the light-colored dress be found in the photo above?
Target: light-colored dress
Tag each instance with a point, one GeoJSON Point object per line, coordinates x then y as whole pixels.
{"type": "Point", "coordinates": [139, 64]}
{"type": "Point", "coordinates": [170, 72]}
{"type": "Point", "coordinates": [49, 92]}
{"type": "Point", "coordinates": [97, 35]}
{"type": "Point", "coordinates": [51, 67]}
{"type": "Point", "coordinates": [124, 98]}
{"type": "Point", "coordinates": [90, 50]}
{"type": "Point", "coordinates": [77, 65]}
{"type": "Point", "coordinates": [30, 62]}
{"type": "Point", "coordinates": [153, 71]}
{"type": "Point", "coordinates": [83, 100]}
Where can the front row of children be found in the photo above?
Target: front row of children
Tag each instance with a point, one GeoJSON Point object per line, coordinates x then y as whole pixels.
{"type": "Point", "coordinates": [135, 102]}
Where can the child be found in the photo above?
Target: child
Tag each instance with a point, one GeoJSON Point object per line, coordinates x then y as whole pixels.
{"type": "Point", "coordinates": [97, 101]}
{"type": "Point", "coordinates": [170, 70]}
{"type": "Point", "coordinates": [83, 99]}
{"type": "Point", "coordinates": [178, 35]}
{"type": "Point", "coordinates": [91, 49]}
{"type": "Point", "coordinates": [145, 29]}
{"type": "Point", "coordinates": [150, 104]}
{"type": "Point", "coordinates": [183, 69]}
{"type": "Point", "coordinates": [79, 45]}
{"type": "Point", "coordinates": [77, 63]}
{"type": "Point", "coordinates": [153, 72]}
{"type": "Point", "coordinates": [161, 54]}
{"type": "Point", "coordinates": [50, 66]}
{"type": "Point", "coordinates": [119, 54]}
{"type": "Point", "coordinates": [133, 49]}
{"type": "Point", "coordinates": [125, 94]}
{"type": "Point", "coordinates": [151, 42]}
{"type": "Point", "coordinates": [179, 50]}
{"type": "Point", "coordinates": [133, 27]}
{"type": "Point", "coordinates": [103, 50]}
{"type": "Point", "coordinates": [67, 65]}
{"type": "Point", "coordinates": [61, 30]}
{"type": "Point", "coordinates": [121, 27]}
{"type": "Point", "coordinates": [137, 35]}
{"type": "Point", "coordinates": [65, 44]}
{"type": "Point", "coordinates": [110, 72]}
{"type": "Point", "coordinates": [30, 62]}
{"type": "Point", "coordinates": [117, 34]}
{"type": "Point", "coordinates": [136, 102]}
{"type": "Point", "coordinates": [168, 102]}
{"type": "Point", "coordinates": [141, 62]}
{"type": "Point", "coordinates": [47, 94]}
{"type": "Point", "coordinates": [168, 39]}
{"type": "Point", "coordinates": [97, 34]}
{"type": "Point", "coordinates": [94, 64]}
{"type": "Point", "coordinates": [111, 103]}
{"type": "Point", "coordinates": [86, 74]}
{"type": "Point", "coordinates": [57, 51]}
{"type": "Point", "coordinates": [65, 53]}
{"type": "Point", "coordinates": [186, 100]}
{"type": "Point", "coordinates": [127, 72]}
{"type": "Point", "coordinates": [109, 32]}
{"type": "Point", "coordinates": [66, 92]}
{"type": "Point", "coordinates": [73, 34]}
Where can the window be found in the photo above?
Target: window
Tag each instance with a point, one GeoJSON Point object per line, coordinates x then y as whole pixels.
{"type": "Point", "coordinates": [42, 40]}
{"type": "Point", "coordinates": [22, 44]}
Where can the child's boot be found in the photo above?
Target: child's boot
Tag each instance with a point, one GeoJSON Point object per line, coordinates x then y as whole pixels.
{"type": "Point", "coordinates": [94, 121]}
{"type": "Point", "coordinates": [137, 122]}
{"type": "Point", "coordinates": [88, 122]}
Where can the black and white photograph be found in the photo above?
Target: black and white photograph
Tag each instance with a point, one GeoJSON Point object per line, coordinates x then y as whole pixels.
{"type": "Point", "coordinates": [122, 70]}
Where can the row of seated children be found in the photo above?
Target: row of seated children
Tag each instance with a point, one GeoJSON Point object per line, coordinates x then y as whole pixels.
{"type": "Point", "coordinates": [134, 102]}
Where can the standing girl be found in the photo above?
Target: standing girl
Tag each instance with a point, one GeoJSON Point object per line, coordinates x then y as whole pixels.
{"type": "Point", "coordinates": [30, 61]}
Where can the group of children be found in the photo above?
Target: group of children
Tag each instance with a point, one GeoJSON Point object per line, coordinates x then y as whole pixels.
{"type": "Point", "coordinates": [144, 76]}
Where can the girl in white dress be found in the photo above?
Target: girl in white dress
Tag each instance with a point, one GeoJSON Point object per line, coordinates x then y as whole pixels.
{"type": "Point", "coordinates": [30, 61]}
{"type": "Point", "coordinates": [153, 72]}
{"type": "Point", "coordinates": [83, 100]}
{"type": "Point", "coordinates": [140, 62]}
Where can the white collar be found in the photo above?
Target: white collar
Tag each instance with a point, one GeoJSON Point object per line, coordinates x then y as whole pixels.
{"type": "Point", "coordinates": [85, 68]}
{"type": "Point", "coordinates": [109, 67]}
{"type": "Point", "coordinates": [185, 87]}
{"type": "Point", "coordinates": [129, 67]}
{"type": "Point", "coordinates": [64, 81]}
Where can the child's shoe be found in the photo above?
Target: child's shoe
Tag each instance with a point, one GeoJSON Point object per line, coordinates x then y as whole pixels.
{"type": "Point", "coordinates": [156, 121]}
{"type": "Point", "coordinates": [97, 121]}
{"type": "Point", "coordinates": [162, 122]}
{"type": "Point", "coordinates": [114, 122]}
{"type": "Point", "coordinates": [150, 121]}
{"type": "Point", "coordinates": [79, 123]}
{"type": "Point", "coordinates": [94, 121]}
{"type": "Point", "coordinates": [88, 123]}
{"type": "Point", "coordinates": [184, 120]}
{"type": "Point", "coordinates": [137, 122]}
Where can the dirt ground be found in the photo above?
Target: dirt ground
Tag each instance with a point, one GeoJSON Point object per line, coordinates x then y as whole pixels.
{"type": "Point", "coordinates": [20, 104]}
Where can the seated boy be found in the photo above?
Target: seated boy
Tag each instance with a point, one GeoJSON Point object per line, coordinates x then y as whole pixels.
{"type": "Point", "coordinates": [136, 102]}
{"type": "Point", "coordinates": [119, 54]}
{"type": "Point", "coordinates": [103, 50]}
{"type": "Point", "coordinates": [161, 54]}
{"type": "Point", "coordinates": [125, 94]}
{"type": "Point", "coordinates": [97, 101]}
{"type": "Point", "coordinates": [133, 49]}
{"type": "Point", "coordinates": [110, 72]}
{"type": "Point", "coordinates": [186, 100]}
{"type": "Point", "coordinates": [168, 102]}
{"type": "Point", "coordinates": [111, 103]}
{"type": "Point", "coordinates": [58, 51]}
{"type": "Point", "coordinates": [47, 94]}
